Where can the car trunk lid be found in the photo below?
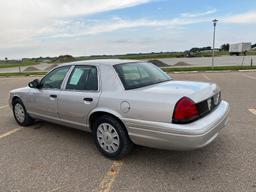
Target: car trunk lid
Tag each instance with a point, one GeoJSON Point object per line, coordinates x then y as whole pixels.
{"type": "Point", "coordinates": [197, 91]}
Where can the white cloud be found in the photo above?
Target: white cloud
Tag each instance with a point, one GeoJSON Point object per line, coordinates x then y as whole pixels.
{"type": "Point", "coordinates": [51, 27]}
{"type": "Point", "coordinates": [199, 14]}
{"type": "Point", "coordinates": [32, 10]}
{"type": "Point", "coordinates": [243, 18]}
{"type": "Point", "coordinates": [82, 29]}
{"type": "Point", "coordinates": [26, 23]}
{"type": "Point", "coordinates": [36, 27]}
{"type": "Point", "coordinates": [22, 20]}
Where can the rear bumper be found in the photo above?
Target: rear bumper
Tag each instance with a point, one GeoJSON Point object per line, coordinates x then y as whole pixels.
{"type": "Point", "coordinates": [179, 137]}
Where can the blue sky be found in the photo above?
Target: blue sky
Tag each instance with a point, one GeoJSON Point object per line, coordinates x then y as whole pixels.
{"type": "Point", "coordinates": [85, 27]}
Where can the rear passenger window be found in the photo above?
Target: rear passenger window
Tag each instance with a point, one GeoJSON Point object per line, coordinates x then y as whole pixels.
{"type": "Point", "coordinates": [83, 78]}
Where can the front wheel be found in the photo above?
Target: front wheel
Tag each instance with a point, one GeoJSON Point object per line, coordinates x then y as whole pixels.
{"type": "Point", "coordinates": [111, 137]}
{"type": "Point", "coordinates": [20, 114]}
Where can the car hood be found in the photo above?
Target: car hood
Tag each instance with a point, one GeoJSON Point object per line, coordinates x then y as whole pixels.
{"type": "Point", "coordinates": [197, 91]}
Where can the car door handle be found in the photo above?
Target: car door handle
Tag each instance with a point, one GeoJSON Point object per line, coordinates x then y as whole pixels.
{"type": "Point", "coordinates": [53, 96]}
{"type": "Point", "coordinates": [88, 99]}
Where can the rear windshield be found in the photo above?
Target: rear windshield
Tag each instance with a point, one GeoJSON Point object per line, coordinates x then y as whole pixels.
{"type": "Point", "coordinates": [136, 75]}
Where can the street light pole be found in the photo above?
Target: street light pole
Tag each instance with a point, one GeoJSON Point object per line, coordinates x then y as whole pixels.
{"type": "Point", "coordinates": [213, 42]}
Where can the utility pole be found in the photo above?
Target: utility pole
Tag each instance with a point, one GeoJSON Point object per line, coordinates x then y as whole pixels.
{"type": "Point", "coordinates": [213, 42]}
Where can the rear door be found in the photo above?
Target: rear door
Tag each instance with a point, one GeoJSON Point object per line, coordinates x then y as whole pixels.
{"type": "Point", "coordinates": [80, 96]}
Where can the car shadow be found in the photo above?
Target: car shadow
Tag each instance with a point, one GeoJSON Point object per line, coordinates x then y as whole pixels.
{"type": "Point", "coordinates": [142, 155]}
{"type": "Point", "coordinates": [139, 152]}
{"type": "Point", "coordinates": [180, 161]}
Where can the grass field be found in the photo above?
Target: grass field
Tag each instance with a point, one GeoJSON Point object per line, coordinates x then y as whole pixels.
{"type": "Point", "coordinates": [21, 74]}
{"type": "Point", "coordinates": [17, 63]}
{"type": "Point", "coordinates": [152, 55]}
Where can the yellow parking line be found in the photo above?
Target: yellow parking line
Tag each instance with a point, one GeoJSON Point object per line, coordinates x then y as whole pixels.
{"type": "Point", "coordinates": [109, 178]}
{"type": "Point", "coordinates": [206, 77]}
{"type": "Point", "coordinates": [2, 107]}
{"type": "Point", "coordinates": [248, 76]}
{"type": "Point", "coordinates": [253, 111]}
{"type": "Point", "coordinates": [9, 133]}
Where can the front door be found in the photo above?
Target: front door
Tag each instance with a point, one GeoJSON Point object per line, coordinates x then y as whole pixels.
{"type": "Point", "coordinates": [43, 101]}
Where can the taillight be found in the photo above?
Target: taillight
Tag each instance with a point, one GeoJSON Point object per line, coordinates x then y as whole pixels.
{"type": "Point", "coordinates": [185, 111]}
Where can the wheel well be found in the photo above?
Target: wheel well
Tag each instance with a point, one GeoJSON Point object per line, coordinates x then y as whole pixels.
{"type": "Point", "coordinates": [14, 98]}
{"type": "Point", "coordinates": [96, 115]}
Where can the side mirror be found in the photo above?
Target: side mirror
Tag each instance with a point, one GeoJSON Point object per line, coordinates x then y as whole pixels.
{"type": "Point", "coordinates": [34, 84]}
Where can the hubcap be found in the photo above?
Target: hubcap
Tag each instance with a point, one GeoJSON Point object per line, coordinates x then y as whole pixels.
{"type": "Point", "coordinates": [19, 112]}
{"type": "Point", "coordinates": [108, 137]}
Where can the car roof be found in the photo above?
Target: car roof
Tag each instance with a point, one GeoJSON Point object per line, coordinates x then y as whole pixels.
{"type": "Point", "coordinates": [101, 61]}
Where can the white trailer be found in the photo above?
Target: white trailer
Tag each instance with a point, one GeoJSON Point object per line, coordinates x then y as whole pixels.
{"type": "Point", "coordinates": [238, 48]}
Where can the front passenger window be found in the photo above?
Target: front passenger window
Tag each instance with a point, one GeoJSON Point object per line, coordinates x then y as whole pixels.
{"type": "Point", "coordinates": [53, 80]}
{"type": "Point", "coordinates": [83, 78]}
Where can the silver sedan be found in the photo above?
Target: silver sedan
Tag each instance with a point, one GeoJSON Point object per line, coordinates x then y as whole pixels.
{"type": "Point", "coordinates": [124, 102]}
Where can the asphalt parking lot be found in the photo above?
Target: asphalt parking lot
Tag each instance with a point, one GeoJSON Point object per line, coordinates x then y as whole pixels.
{"type": "Point", "coordinates": [48, 157]}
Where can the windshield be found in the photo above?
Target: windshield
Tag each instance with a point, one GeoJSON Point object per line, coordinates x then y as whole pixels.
{"type": "Point", "coordinates": [135, 75]}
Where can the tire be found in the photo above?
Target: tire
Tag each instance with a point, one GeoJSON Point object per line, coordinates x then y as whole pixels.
{"type": "Point", "coordinates": [20, 113]}
{"type": "Point", "coordinates": [111, 137]}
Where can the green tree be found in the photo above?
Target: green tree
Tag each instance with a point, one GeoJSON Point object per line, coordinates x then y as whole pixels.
{"type": "Point", "coordinates": [225, 47]}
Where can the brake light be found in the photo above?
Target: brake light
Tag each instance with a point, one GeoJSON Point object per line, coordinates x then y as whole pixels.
{"type": "Point", "coordinates": [185, 111]}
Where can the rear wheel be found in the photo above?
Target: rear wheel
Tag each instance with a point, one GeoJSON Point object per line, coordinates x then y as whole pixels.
{"type": "Point", "coordinates": [111, 137]}
{"type": "Point", "coordinates": [20, 114]}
